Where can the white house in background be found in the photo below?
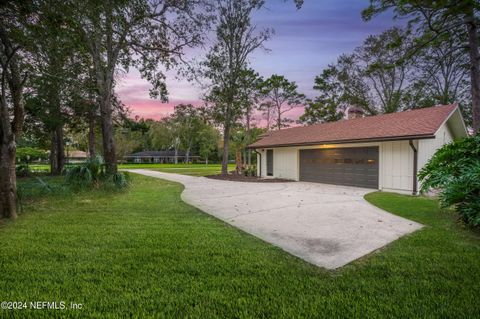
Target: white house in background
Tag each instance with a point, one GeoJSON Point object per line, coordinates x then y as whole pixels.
{"type": "Point", "coordinates": [382, 152]}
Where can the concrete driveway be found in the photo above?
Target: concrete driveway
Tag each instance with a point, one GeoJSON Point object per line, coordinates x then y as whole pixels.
{"type": "Point", "coordinates": [326, 225]}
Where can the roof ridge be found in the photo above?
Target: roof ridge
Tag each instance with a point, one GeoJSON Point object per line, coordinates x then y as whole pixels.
{"type": "Point", "coordinates": [358, 119]}
{"type": "Point", "coordinates": [415, 122]}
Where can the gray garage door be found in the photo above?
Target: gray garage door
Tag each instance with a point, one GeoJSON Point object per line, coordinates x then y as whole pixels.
{"type": "Point", "coordinates": [341, 166]}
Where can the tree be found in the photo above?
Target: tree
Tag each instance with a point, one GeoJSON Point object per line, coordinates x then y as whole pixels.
{"type": "Point", "coordinates": [441, 21]}
{"type": "Point", "coordinates": [283, 95]}
{"type": "Point", "coordinates": [326, 106]}
{"type": "Point", "coordinates": [250, 94]}
{"type": "Point", "coordinates": [60, 70]}
{"type": "Point", "coordinates": [208, 139]}
{"type": "Point", "coordinates": [383, 65]}
{"type": "Point", "coordinates": [187, 120]}
{"type": "Point", "coordinates": [227, 61]}
{"type": "Point", "coordinates": [139, 33]}
{"type": "Point", "coordinates": [441, 78]}
{"type": "Point", "coordinates": [128, 141]}
{"type": "Point", "coordinates": [13, 33]}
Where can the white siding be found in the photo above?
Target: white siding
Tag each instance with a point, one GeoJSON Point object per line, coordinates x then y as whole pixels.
{"type": "Point", "coordinates": [285, 163]}
{"type": "Point", "coordinates": [395, 160]}
{"type": "Point", "coordinates": [263, 164]}
{"type": "Point", "coordinates": [396, 166]}
{"type": "Point", "coordinates": [428, 147]}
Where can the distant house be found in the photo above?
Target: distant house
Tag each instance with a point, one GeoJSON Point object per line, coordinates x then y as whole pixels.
{"type": "Point", "coordinates": [76, 156]}
{"type": "Point", "coordinates": [159, 157]}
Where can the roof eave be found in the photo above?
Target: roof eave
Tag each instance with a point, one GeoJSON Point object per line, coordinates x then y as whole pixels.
{"type": "Point", "coordinates": [352, 141]}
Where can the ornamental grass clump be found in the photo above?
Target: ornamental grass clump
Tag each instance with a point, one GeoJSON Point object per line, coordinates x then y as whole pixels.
{"type": "Point", "coordinates": [93, 173]}
{"type": "Point", "coordinates": [455, 171]}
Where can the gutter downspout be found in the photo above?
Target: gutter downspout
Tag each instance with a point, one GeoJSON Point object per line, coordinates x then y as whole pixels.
{"type": "Point", "coordinates": [259, 164]}
{"type": "Point", "coordinates": [415, 166]}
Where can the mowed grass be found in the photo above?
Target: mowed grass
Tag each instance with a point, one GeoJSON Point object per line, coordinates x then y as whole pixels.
{"type": "Point", "coordinates": [186, 169]}
{"type": "Point", "coordinates": [145, 253]}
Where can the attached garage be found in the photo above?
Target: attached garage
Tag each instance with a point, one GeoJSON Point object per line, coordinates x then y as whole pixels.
{"type": "Point", "coordinates": [356, 166]}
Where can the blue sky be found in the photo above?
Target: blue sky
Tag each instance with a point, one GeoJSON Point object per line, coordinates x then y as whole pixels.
{"type": "Point", "coordinates": [304, 43]}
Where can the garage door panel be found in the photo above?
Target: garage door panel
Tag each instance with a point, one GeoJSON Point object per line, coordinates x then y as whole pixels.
{"type": "Point", "coordinates": [341, 166]}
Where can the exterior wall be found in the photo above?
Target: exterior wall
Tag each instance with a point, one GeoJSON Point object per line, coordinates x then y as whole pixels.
{"type": "Point", "coordinates": [428, 147]}
{"type": "Point", "coordinates": [285, 163]}
{"type": "Point", "coordinates": [395, 160]}
{"type": "Point", "coordinates": [396, 167]}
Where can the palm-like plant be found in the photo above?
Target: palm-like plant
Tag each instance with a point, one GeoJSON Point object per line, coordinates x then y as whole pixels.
{"type": "Point", "coordinates": [92, 173]}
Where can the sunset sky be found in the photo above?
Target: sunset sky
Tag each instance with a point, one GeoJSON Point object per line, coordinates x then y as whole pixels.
{"type": "Point", "coordinates": [305, 42]}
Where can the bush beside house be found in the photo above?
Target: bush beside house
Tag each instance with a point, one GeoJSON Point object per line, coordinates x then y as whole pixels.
{"type": "Point", "coordinates": [455, 171]}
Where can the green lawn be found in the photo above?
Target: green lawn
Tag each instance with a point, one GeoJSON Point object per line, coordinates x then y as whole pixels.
{"type": "Point", "coordinates": [145, 253]}
{"type": "Point", "coordinates": [187, 169]}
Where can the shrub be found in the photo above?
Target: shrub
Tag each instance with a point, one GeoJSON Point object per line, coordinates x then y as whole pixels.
{"type": "Point", "coordinates": [23, 170]}
{"type": "Point", "coordinates": [27, 154]}
{"type": "Point", "coordinates": [250, 170]}
{"type": "Point", "coordinates": [92, 173]}
{"type": "Point", "coordinates": [455, 171]}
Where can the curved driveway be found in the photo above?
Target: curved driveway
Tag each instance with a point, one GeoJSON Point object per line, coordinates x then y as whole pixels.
{"type": "Point", "coordinates": [326, 225]}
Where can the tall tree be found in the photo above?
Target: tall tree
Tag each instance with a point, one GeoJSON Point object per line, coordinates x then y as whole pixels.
{"type": "Point", "coordinates": [382, 63]}
{"type": "Point", "coordinates": [188, 121]}
{"type": "Point", "coordinates": [283, 95]}
{"type": "Point", "coordinates": [228, 60]}
{"type": "Point", "coordinates": [441, 21]}
{"type": "Point", "coordinates": [208, 139]}
{"type": "Point", "coordinates": [140, 33]}
{"type": "Point", "coordinates": [441, 78]}
{"type": "Point", "coordinates": [326, 107]}
{"type": "Point", "coordinates": [13, 20]}
{"type": "Point", "coordinates": [250, 94]}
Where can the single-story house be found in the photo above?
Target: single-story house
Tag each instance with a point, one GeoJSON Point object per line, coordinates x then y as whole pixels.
{"type": "Point", "coordinates": [382, 152]}
{"type": "Point", "coordinates": [159, 157]}
{"type": "Point", "coordinates": [76, 156]}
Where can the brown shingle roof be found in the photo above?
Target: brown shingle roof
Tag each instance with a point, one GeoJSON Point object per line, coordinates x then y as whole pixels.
{"type": "Point", "coordinates": [420, 123]}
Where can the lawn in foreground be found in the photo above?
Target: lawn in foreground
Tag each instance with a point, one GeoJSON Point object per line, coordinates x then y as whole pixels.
{"type": "Point", "coordinates": [146, 253]}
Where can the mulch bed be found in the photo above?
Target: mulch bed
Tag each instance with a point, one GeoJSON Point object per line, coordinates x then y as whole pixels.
{"type": "Point", "coordinates": [248, 179]}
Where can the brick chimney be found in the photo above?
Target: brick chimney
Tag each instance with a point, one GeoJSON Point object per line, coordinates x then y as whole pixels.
{"type": "Point", "coordinates": [354, 112]}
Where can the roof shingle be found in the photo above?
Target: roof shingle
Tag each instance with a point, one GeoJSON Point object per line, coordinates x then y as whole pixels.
{"type": "Point", "coordinates": [403, 125]}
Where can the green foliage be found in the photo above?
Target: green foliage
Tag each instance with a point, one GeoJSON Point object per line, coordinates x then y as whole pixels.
{"type": "Point", "coordinates": [33, 188]}
{"type": "Point", "coordinates": [23, 170]}
{"type": "Point", "coordinates": [283, 96]}
{"type": "Point", "coordinates": [455, 170]}
{"type": "Point", "coordinates": [194, 266]}
{"type": "Point", "coordinates": [250, 170]}
{"type": "Point", "coordinates": [27, 154]}
{"type": "Point", "coordinates": [93, 173]}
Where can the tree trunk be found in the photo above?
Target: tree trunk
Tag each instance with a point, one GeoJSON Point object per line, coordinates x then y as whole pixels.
{"type": "Point", "coordinates": [8, 178]}
{"type": "Point", "coordinates": [176, 156]}
{"type": "Point", "coordinates": [187, 155]}
{"type": "Point", "coordinates": [91, 135]}
{"type": "Point", "coordinates": [238, 161]}
{"type": "Point", "coordinates": [57, 152]}
{"type": "Point", "coordinates": [226, 143]}
{"type": "Point", "coordinates": [206, 160]}
{"type": "Point", "coordinates": [107, 133]}
{"type": "Point", "coordinates": [279, 119]}
{"type": "Point", "coordinates": [474, 68]}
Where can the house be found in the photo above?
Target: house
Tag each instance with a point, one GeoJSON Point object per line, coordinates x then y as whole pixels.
{"type": "Point", "coordinates": [159, 157]}
{"type": "Point", "coordinates": [76, 156]}
{"type": "Point", "coordinates": [382, 152]}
